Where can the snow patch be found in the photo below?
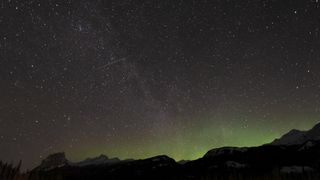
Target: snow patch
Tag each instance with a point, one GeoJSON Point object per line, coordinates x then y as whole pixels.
{"type": "Point", "coordinates": [295, 169]}
{"type": "Point", "coordinates": [233, 164]}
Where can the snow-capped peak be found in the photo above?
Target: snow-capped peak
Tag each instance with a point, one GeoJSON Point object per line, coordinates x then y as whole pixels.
{"type": "Point", "coordinates": [102, 159]}
{"type": "Point", "coordinates": [297, 137]}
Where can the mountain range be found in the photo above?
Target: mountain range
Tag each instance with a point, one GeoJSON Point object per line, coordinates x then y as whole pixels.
{"type": "Point", "coordinates": [295, 154]}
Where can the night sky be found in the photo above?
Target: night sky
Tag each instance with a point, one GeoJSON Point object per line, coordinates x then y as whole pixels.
{"type": "Point", "coordinates": [134, 79]}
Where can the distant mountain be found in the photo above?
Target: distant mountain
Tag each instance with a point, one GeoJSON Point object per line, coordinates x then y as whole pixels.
{"type": "Point", "coordinates": [102, 159]}
{"type": "Point", "coordinates": [53, 161]}
{"type": "Point", "coordinates": [296, 137]}
{"type": "Point", "coordinates": [59, 160]}
{"type": "Point", "coordinates": [226, 151]}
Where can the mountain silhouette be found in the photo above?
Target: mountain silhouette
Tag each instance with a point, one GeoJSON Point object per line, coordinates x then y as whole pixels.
{"type": "Point", "coordinates": [295, 155]}
{"type": "Point", "coordinates": [295, 137]}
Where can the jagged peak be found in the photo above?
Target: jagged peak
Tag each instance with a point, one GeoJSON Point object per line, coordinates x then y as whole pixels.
{"type": "Point", "coordinates": [56, 156]}
{"type": "Point", "coordinates": [52, 161]}
{"type": "Point", "coordinates": [101, 156]}
{"type": "Point", "coordinates": [295, 137]}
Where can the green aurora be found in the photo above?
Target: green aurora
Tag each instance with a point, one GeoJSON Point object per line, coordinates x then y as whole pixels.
{"type": "Point", "coordinates": [193, 142]}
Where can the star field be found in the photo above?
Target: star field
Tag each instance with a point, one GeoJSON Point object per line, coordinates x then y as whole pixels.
{"type": "Point", "coordinates": [134, 79]}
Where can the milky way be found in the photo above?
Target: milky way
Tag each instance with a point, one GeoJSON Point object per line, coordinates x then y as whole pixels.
{"type": "Point", "coordinates": [134, 79]}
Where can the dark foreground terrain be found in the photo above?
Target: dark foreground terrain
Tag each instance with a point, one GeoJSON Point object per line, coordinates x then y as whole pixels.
{"type": "Point", "coordinates": [296, 155]}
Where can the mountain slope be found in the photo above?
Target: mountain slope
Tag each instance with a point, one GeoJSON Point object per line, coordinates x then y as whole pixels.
{"type": "Point", "coordinates": [102, 159]}
{"type": "Point", "coordinates": [295, 137]}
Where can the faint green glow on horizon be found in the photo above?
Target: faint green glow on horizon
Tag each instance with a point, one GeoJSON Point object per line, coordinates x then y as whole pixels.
{"type": "Point", "coordinates": [194, 140]}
